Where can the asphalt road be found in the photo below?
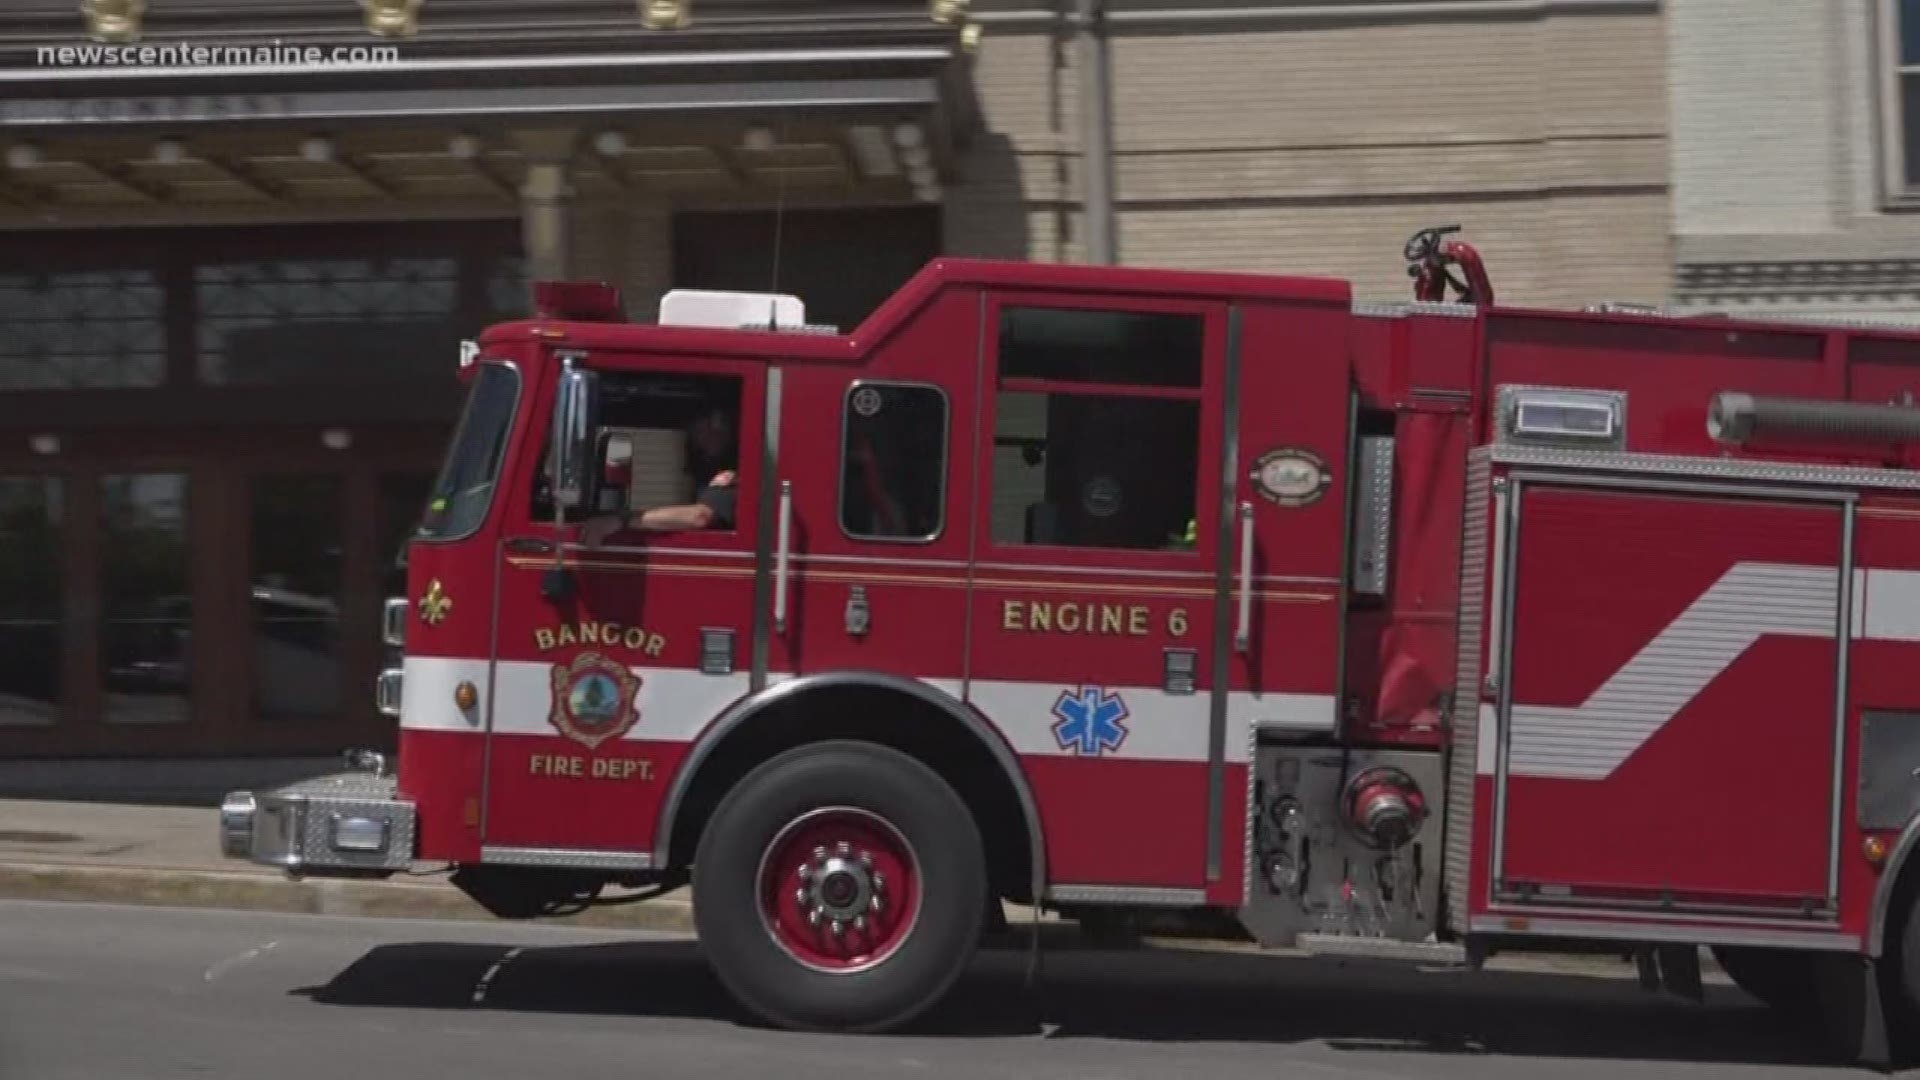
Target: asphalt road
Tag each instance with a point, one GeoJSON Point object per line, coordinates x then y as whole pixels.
{"type": "Point", "coordinates": [90, 991]}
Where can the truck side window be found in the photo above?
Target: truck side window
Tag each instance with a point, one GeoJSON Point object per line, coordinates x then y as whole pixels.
{"type": "Point", "coordinates": [1097, 436]}
{"type": "Point", "coordinates": [683, 430]}
{"type": "Point", "coordinates": [893, 462]}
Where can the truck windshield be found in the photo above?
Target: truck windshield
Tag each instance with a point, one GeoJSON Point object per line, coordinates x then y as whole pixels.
{"type": "Point", "coordinates": [464, 489]}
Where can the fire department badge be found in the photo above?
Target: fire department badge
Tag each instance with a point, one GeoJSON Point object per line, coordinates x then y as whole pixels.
{"type": "Point", "coordinates": [594, 699]}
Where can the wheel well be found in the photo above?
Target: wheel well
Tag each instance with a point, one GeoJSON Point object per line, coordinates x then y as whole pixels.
{"type": "Point", "coordinates": [1899, 909]}
{"type": "Point", "coordinates": [887, 717]}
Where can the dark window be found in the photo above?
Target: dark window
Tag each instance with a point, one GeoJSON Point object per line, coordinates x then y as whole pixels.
{"type": "Point", "coordinates": [1083, 470]}
{"type": "Point", "coordinates": [1907, 87]}
{"type": "Point", "coordinates": [1097, 429]}
{"type": "Point", "coordinates": [284, 322]}
{"type": "Point", "coordinates": [464, 489]}
{"type": "Point", "coordinates": [295, 596]}
{"type": "Point", "coordinates": [146, 598]}
{"type": "Point", "coordinates": [1116, 347]}
{"type": "Point", "coordinates": [680, 432]}
{"type": "Point", "coordinates": [30, 576]}
{"type": "Point", "coordinates": [81, 329]}
{"type": "Point", "coordinates": [894, 462]}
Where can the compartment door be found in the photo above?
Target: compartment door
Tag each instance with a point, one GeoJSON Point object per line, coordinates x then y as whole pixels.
{"type": "Point", "coordinates": [1670, 714]}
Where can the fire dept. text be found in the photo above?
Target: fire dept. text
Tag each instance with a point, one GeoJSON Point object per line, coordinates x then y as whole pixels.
{"type": "Point", "coordinates": [570, 765]}
{"type": "Point", "coordinates": [598, 633]}
{"type": "Point", "coordinates": [1074, 617]}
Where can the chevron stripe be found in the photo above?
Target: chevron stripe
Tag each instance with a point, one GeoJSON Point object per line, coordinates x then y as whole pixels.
{"type": "Point", "coordinates": [1752, 600]}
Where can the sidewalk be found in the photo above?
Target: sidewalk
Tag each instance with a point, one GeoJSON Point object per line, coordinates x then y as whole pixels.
{"type": "Point", "coordinates": [169, 855]}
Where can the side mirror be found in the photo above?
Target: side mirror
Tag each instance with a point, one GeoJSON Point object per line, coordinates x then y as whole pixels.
{"type": "Point", "coordinates": [576, 409]}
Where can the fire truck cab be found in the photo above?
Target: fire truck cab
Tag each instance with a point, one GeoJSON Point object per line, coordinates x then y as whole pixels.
{"type": "Point", "coordinates": [1409, 629]}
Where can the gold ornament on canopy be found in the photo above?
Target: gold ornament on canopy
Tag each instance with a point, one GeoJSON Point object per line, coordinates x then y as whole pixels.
{"type": "Point", "coordinates": [666, 14]}
{"type": "Point", "coordinates": [113, 20]}
{"type": "Point", "coordinates": [393, 18]}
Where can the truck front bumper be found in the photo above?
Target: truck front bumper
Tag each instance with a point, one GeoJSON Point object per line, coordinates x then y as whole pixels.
{"type": "Point", "coordinates": [351, 822]}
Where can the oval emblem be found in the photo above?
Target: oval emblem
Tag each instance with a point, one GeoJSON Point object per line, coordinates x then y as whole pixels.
{"type": "Point", "coordinates": [1291, 476]}
{"type": "Point", "coordinates": [1102, 496]}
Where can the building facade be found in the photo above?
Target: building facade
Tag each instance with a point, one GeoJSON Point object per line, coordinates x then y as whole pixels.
{"type": "Point", "coordinates": [1796, 157]}
{"type": "Point", "coordinates": [233, 295]}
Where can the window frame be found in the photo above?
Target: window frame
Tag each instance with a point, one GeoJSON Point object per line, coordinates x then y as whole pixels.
{"type": "Point", "coordinates": [1897, 192]}
{"type": "Point", "coordinates": [1205, 399]}
{"type": "Point", "coordinates": [946, 460]}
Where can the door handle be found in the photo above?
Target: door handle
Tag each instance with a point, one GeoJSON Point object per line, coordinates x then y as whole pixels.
{"type": "Point", "coordinates": [1243, 632]}
{"type": "Point", "coordinates": [780, 549]}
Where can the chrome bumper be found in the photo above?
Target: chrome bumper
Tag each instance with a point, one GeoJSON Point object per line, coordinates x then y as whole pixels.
{"type": "Point", "coordinates": [348, 821]}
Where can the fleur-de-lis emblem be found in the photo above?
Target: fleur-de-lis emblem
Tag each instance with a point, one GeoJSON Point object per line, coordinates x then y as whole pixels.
{"type": "Point", "coordinates": [435, 605]}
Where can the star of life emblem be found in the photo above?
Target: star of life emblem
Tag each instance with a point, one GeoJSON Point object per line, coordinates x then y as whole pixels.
{"type": "Point", "coordinates": [594, 699]}
{"type": "Point", "coordinates": [1089, 721]}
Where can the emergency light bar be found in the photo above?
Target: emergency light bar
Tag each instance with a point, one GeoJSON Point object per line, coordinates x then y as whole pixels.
{"type": "Point", "coordinates": [579, 301]}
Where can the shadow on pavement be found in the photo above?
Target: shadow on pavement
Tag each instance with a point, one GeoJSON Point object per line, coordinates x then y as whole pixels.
{"type": "Point", "coordinates": [1145, 996]}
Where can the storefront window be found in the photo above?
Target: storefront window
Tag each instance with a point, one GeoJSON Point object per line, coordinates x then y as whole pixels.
{"type": "Point", "coordinates": [146, 598]}
{"type": "Point", "coordinates": [507, 290]}
{"type": "Point", "coordinates": [403, 498]}
{"type": "Point", "coordinates": [30, 575]}
{"type": "Point", "coordinates": [353, 321]}
{"type": "Point", "coordinates": [81, 330]}
{"type": "Point", "coordinates": [297, 579]}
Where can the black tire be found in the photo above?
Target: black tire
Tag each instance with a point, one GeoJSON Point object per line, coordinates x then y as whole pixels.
{"type": "Point", "coordinates": [908, 796]}
{"type": "Point", "coordinates": [1782, 979]}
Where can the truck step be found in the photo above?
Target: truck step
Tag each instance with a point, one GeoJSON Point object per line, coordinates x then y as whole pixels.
{"type": "Point", "coordinates": [1376, 948]}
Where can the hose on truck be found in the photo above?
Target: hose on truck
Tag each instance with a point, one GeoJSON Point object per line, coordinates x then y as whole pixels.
{"type": "Point", "coordinates": [1738, 418]}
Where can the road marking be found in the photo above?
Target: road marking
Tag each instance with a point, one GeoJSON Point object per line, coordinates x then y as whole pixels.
{"type": "Point", "coordinates": [232, 962]}
{"type": "Point", "coordinates": [480, 991]}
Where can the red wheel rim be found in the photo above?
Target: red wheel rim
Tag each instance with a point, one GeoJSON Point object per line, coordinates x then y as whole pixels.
{"type": "Point", "coordinates": [839, 889]}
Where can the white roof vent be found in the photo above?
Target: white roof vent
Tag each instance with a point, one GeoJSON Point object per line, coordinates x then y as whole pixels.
{"type": "Point", "coordinates": [731, 310]}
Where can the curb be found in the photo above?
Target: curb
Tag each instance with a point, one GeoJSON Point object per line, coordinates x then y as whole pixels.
{"type": "Point", "coordinates": [428, 899]}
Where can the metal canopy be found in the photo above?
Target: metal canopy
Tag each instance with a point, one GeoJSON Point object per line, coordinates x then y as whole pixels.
{"type": "Point", "coordinates": [872, 116]}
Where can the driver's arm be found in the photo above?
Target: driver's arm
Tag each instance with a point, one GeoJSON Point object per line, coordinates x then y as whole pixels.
{"type": "Point", "coordinates": [688, 518]}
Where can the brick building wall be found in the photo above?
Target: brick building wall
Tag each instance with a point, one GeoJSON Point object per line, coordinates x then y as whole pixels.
{"type": "Point", "coordinates": [1789, 191]}
{"type": "Point", "coordinates": [1317, 146]}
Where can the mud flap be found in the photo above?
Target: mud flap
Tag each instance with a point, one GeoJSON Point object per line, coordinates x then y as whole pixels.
{"type": "Point", "coordinates": [1673, 968]}
{"type": "Point", "coordinates": [1852, 1014]}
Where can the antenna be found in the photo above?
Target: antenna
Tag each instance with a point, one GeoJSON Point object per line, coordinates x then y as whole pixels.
{"type": "Point", "coordinates": [779, 221]}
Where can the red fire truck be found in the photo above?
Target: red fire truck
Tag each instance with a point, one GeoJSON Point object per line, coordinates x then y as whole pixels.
{"type": "Point", "coordinates": [1400, 629]}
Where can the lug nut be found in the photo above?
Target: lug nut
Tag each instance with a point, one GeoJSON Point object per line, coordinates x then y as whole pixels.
{"type": "Point", "coordinates": [838, 926]}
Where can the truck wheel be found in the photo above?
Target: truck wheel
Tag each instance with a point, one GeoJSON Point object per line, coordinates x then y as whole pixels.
{"type": "Point", "coordinates": [1781, 979]}
{"type": "Point", "coordinates": [840, 887]}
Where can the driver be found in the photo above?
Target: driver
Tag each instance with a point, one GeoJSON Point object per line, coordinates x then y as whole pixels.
{"type": "Point", "coordinates": [710, 443]}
